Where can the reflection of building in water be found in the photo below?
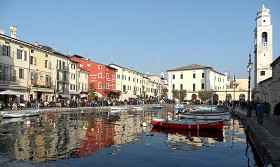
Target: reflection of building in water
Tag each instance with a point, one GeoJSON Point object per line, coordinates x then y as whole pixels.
{"type": "Point", "coordinates": [58, 135]}
{"type": "Point", "coordinates": [235, 129]}
{"type": "Point", "coordinates": [126, 128]}
{"type": "Point", "coordinates": [192, 140]}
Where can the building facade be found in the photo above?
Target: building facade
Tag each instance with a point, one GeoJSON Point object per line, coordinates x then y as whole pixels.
{"type": "Point", "coordinates": [100, 76]}
{"type": "Point", "coordinates": [263, 48]}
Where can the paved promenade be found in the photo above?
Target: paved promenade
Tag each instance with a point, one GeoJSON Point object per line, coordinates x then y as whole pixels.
{"type": "Point", "coordinates": [265, 137]}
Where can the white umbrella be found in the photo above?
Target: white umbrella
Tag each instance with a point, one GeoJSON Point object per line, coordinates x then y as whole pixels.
{"type": "Point", "coordinates": [10, 92]}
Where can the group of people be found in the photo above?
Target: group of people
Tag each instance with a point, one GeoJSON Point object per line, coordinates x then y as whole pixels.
{"type": "Point", "coordinates": [263, 108]}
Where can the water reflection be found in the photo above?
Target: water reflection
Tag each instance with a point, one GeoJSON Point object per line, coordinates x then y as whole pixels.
{"type": "Point", "coordinates": [62, 135]}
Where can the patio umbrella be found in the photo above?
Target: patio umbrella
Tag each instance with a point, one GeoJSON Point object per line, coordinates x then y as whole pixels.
{"type": "Point", "coordinates": [10, 92]}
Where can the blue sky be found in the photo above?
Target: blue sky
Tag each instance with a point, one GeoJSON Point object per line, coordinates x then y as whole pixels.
{"type": "Point", "coordinates": [147, 35]}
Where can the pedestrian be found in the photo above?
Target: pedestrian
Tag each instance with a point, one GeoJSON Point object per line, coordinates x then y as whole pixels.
{"type": "Point", "coordinates": [277, 111]}
{"type": "Point", "coordinates": [267, 108]}
{"type": "Point", "coordinates": [260, 112]}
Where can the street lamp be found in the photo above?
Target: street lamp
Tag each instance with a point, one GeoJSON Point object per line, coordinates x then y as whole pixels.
{"type": "Point", "coordinates": [234, 83]}
{"type": "Point", "coordinates": [226, 95]}
{"type": "Point", "coordinates": [249, 68]}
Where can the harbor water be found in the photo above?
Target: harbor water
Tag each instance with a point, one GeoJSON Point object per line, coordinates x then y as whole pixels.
{"type": "Point", "coordinates": [102, 138]}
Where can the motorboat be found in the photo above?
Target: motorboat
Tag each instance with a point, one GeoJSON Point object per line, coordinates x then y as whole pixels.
{"type": "Point", "coordinates": [206, 113]}
{"type": "Point", "coordinates": [188, 124]}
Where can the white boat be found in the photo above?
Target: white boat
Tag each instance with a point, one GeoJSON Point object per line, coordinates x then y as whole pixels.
{"type": "Point", "coordinates": [31, 114]}
{"type": "Point", "coordinates": [137, 108]}
{"type": "Point", "coordinates": [118, 108]}
{"type": "Point", "coordinates": [206, 113]}
{"type": "Point", "coordinates": [205, 117]}
{"type": "Point", "coordinates": [13, 114]}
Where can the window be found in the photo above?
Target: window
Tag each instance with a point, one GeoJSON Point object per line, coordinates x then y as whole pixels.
{"type": "Point", "coordinates": [193, 87]}
{"type": "Point", "coordinates": [181, 86]}
{"type": "Point", "coordinates": [173, 86]}
{"type": "Point", "coordinates": [99, 67]}
{"type": "Point", "coordinates": [193, 75]}
{"type": "Point", "coordinates": [202, 85]}
{"type": "Point", "coordinates": [113, 76]}
{"type": "Point", "coordinates": [107, 75]}
{"type": "Point", "coordinates": [262, 73]}
{"type": "Point", "coordinates": [107, 85]}
{"type": "Point", "coordinates": [99, 75]}
{"type": "Point", "coordinates": [128, 78]}
{"type": "Point", "coordinates": [46, 63]}
{"type": "Point", "coordinates": [124, 88]}
{"type": "Point", "coordinates": [33, 60]}
{"type": "Point", "coordinates": [6, 50]}
{"type": "Point", "coordinates": [100, 85]}
{"type": "Point", "coordinates": [21, 73]}
{"type": "Point", "coordinates": [173, 76]}
{"type": "Point", "coordinates": [181, 77]}
{"type": "Point", "coordinates": [21, 54]}
{"type": "Point", "coordinates": [46, 55]}
{"type": "Point", "coordinates": [118, 76]}
{"type": "Point", "coordinates": [202, 75]}
{"type": "Point", "coordinates": [89, 64]}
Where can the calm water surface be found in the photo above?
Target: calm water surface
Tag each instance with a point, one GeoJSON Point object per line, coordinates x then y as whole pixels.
{"type": "Point", "coordinates": [94, 138]}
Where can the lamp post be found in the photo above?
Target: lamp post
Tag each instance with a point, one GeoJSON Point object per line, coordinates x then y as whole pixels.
{"type": "Point", "coordinates": [226, 95]}
{"type": "Point", "coordinates": [234, 82]}
{"type": "Point", "coordinates": [249, 68]}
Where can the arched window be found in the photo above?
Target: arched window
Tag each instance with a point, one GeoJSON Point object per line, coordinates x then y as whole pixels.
{"type": "Point", "coordinates": [264, 37]}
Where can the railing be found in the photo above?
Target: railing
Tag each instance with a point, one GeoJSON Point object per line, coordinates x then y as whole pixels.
{"type": "Point", "coordinates": [42, 83]}
{"type": "Point", "coordinates": [8, 79]}
{"type": "Point", "coordinates": [64, 68]}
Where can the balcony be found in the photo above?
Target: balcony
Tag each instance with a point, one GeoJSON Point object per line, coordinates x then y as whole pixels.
{"type": "Point", "coordinates": [8, 79]}
{"type": "Point", "coordinates": [42, 83]}
{"type": "Point", "coordinates": [62, 68]}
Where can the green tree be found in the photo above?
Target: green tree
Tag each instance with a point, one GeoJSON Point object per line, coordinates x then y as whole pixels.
{"type": "Point", "coordinates": [204, 95]}
{"type": "Point", "coordinates": [164, 92]}
{"type": "Point", "coordinates": [179, 94]}
{"type": "Point", "coordinates": [91, 95]}
{"type": "Point", "coordinates": [107, 92]}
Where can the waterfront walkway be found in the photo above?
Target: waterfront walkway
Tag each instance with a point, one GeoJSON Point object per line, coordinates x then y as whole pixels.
{"type": "Point", "coordinates": [265, 137]}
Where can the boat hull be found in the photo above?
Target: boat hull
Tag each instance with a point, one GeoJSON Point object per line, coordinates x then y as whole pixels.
{"type": "Point", "coordinates": [188, 124]}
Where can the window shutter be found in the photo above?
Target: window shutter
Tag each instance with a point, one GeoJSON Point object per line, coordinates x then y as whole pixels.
{"type": "Point", "coordinates": [25, 56]}
{"type": "Point", "coordinates": [35, 61]}
{"type": "Point", "coordinates": [18, 56]}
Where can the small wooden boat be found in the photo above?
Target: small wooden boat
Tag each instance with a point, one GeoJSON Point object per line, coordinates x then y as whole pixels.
{"type": "Point", "coordinates": [13, 114]}
{"type": "Point", "coordinates": [118, 108]}
{"type": "Point", "coordinates": [137, 108]}
{"type": "Point", "coordinates": [31, 114]}
{"type": "Point", "coordinates": [188, 124]}
{"type": "Point", "coordinates": [205, 116]}
{"type": "Point", "coordinates": [156, 107]}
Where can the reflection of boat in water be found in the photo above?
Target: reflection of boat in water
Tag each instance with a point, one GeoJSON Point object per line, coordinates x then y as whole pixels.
{"type": "Point", "coordinates": [217, 134]}
{"type": "Point", "coordinates": [189, 124]}
{"type": "Point", "coordinates": [20, 119]}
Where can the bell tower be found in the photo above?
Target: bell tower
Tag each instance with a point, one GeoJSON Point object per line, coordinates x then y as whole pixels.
{"type": "Point", "coordinates": [263, 47]}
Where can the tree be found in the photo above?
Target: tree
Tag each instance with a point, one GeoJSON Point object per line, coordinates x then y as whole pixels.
{"type": "Point", "coordinates": [179, 94]}
{"type": "Point", "coordinates": [91, 95]}
{"type": "Point", "coordinates": [164, 92]}
{"type": "Point", "coordinates": [107, 91]}
{"type": "Point", "coordinates": [204, 95]}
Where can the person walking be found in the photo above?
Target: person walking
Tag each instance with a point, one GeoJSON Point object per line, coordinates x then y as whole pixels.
{"type": "Point", "coordinates": [261, 108]}
{"type": "Point", "coordinates": [277, 111]}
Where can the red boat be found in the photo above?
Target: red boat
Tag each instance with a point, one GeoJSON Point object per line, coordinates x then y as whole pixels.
{"type": "Point", "coordinates": [188, 124]}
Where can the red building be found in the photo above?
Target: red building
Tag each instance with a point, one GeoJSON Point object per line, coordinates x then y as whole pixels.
{"type": "Point", "coordinates": [102, 76]}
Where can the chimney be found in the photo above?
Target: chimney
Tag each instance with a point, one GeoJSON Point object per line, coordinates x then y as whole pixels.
{"type": "Point", "coordinates": [13, 30]}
